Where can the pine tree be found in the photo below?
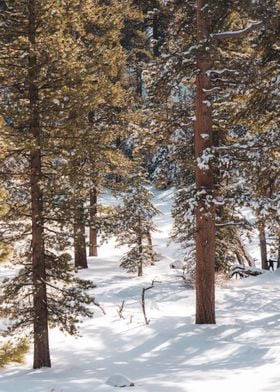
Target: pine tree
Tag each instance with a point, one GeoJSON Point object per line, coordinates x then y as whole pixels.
{"type": "Point", "coordinates": [252, 117]}
{"type": "Point", "coordinates": [142, 38]}
{"type": "Point", "coordinates": [135, 224]}
{"type": "Point", "coordinates": [255, 156]}
{"type": "Point", "coordinates": [104, 117]}
{"type": "Point", "coordinates": [264, 101]}
{"type": "Point", "coordinates": [213, 44]}
{"type": "Point", "coordinates": [40, 71]}
{"type": "Point", "coordinates": [203, 108]}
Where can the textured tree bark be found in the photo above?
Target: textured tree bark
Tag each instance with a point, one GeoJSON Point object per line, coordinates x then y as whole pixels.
{"type": "Point", "coordinates": [278, 255]}
{"type": "Point", "coordinates": [150, 245]}
{"type": "Point", "coordinates": [139, 81]}
{"type": "Point", "coordinates": [263, 246]}
{"type": "Point", "coordinates": [80, 250]}
{"type": "Point", "coordinates": [40, 323]}
{"type": "Point", "coordinates": [93, 231]}
{"type": "Point", "coordinates": [140, 262]}
{"type": "Point", "coordinates": [156, 35]}
{"type": "Point", "coordinates": [205, 212]}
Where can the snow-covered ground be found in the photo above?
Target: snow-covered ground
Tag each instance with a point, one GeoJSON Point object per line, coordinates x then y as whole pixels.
{"type": "Point", "coordinates": [171, 354]}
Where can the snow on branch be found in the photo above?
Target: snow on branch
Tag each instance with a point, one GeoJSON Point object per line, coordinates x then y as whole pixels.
{"type": "Point", "coordinates": [229, 224]}
{"type": "Point", "coordinates": [219, 71]}
{"type": "Point", "coordinates": [211, 91]}
{"type": "Point", "coordinates": [238, 33]}
{"type": "Point", "coordinates": [243, 271]}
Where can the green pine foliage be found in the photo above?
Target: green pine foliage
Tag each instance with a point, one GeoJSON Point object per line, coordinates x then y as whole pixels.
{"type": "Point", "coordinates": [135, 224]}
{"type": "Point", "coordinates": [84, 103]}
{"type": "Point", "coordinates": [59, 64]}
{"type": "Point", "coordinates": [92, 156]}
{"type": "Point", "coordinates": [68, 299]}
{"type": "Point", "coordinates": [93, 91]}
{"type": "Point", "coordinates": [234, 74]}
{"type": "Point", "coordinates": [5, 249]}
{"type": "Point", "coordinates": [13, 352]}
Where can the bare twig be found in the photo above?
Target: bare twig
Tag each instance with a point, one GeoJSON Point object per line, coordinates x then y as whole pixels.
{"type": "Point", "coordinates": [187, 281]}
{"type": "Point", "coordinates": [120, 310]}
{"type": "Point", "coordinates": [147, 321]}
{"type": "Point", "coordinates": [99, 306]}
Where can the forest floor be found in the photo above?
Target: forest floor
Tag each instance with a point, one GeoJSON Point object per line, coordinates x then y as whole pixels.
{"type": "Point", "coordinates": [171, 354]}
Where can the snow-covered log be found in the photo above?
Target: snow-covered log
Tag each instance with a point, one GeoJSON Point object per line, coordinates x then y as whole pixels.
{"type": "Point", "coordinates": [243, 271]}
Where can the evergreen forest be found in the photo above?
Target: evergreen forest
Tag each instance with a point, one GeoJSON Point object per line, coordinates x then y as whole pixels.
{"type": "Point", "coordinates": [139, 195]}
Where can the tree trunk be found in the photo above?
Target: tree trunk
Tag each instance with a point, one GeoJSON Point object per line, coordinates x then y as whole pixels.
{"type": "Point", "coordinates": [140, 262]}
{"type": "Point", "coordinates": [40, 323]}
{"type": "Point", "coordinates": [40, 327]}
{"type": "Point", "coordinates": [205, 211]}
{"type": "Point", "coordinates": [244, 252]}
{"type": "Point", "coordinates": [150, 245]}
{"type": "Point", "coordinates": [263, 246]}
{"type": "Point", "coordinates": [239, 257]}
{"type": "Point", "coordinates": [278, 257]}
{"type": "Point", "coordinates": [156, 35]}
{"type": "Point", "coordinates": [80, 250]}
{"type": "Point", "coordinates": [240, 251]}
{"type": "Point", "coordinates": [93, 231]}
{"type": "Point", "coordinates": [139, 81]}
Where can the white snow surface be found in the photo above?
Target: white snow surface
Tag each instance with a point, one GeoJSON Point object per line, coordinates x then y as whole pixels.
{"type": "Point", "coordinates": [177, 264]}
{"type": "Point", "coordinates": [171, 354]}
{"type": "Point", "coordinates": [119, 380]}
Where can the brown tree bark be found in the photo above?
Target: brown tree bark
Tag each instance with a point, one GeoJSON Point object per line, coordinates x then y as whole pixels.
{"type": "Point", "coordinates": [156, 35]}
{"type": "Point", "coordinates": [139, 81]}
{"type": "Point", "coordinates": [92, 231]}
{"type": "Point", "coordinates": [80, 250]}
{"type": "Point", "coordinates": [150, 244]}
{"type": "Point", "coordinates": [40, 322]}
{"type": "Point", "coordinates": [205, 213]}
{"type": "Point", "coordinates": [140, 263]}
{"type": "Point", "coordinates": [263, 245]}
{"type": "Point", "coordinates": [278, 255]}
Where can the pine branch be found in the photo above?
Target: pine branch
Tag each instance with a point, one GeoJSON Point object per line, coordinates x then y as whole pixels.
{"type": "Point", "coordinates": [229, 224]}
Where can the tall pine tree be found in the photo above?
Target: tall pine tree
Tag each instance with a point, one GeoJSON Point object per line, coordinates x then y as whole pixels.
{"type": "Point", "coordinates": [42, 73]}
